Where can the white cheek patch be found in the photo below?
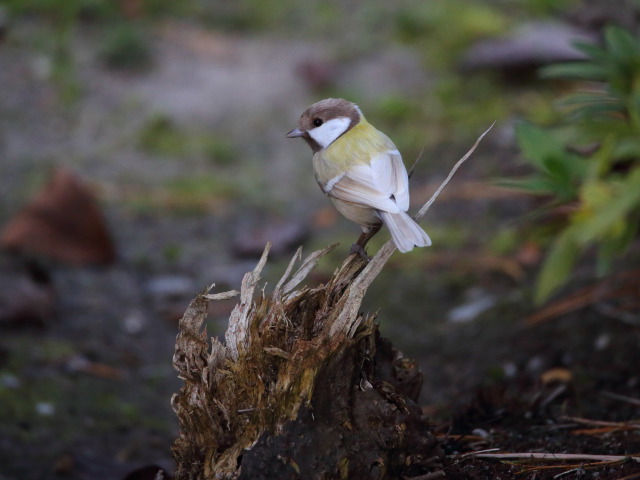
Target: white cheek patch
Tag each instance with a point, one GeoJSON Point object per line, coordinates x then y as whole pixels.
{"type": "Point", "coordinates": [327, 133]}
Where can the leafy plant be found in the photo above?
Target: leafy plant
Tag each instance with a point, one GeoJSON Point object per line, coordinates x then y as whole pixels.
{"type": "Point", "coordinates": [592, 161]}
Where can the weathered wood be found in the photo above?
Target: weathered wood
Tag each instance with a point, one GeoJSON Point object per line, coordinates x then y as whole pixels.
{"type": "Point", "coordinates": [303, 388]}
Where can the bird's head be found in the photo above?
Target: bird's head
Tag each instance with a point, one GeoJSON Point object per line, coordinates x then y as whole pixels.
{"type": "Point", "coordinates": [324, 122]}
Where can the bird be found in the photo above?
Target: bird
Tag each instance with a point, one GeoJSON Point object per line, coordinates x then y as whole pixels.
{"type": "Point", "coordinates": [361, 170]}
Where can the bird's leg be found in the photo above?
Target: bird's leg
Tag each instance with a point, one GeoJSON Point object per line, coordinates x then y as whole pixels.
{"type": "Point", "coordinates": [365, 236]}
{"type": "Point", "coordinates": [358, 249]}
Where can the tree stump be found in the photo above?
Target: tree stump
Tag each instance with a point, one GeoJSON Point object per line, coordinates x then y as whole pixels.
{"type": "Point", "coordinates": [303, 388]}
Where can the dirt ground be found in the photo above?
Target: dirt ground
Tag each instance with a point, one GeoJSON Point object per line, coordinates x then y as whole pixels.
{"type": "Point", "coordinates": [85, 388]}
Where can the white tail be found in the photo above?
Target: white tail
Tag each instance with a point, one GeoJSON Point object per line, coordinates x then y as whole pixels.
{"type": "Point", "coordinates": [406, 233]}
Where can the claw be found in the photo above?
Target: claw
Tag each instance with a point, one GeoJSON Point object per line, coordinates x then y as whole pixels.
{"type": "Point", "coordinates": [357, 249]}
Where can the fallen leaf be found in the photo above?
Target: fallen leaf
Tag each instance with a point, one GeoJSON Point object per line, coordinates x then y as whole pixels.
{"type": "Point", "coordinates": [63, 222]}
{"type": "Point", "coordinates": [556, 375]}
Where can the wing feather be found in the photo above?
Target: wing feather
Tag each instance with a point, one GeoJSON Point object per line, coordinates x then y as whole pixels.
{"type": "Point", "coordinates": [357, 186]}
{"type": "Point", "coordinates": [382, 184]}
{"type": "Point", "coordinates": [391, 177]}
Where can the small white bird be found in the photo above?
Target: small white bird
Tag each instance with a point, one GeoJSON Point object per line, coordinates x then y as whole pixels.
{"type": "Point", "coordinates": [360, 169]}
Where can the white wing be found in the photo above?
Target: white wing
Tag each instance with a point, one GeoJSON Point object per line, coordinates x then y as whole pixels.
{"type": "Point", "coordinates": [383, 184]}
{"type": "Point", "coordinates": [391, 177]}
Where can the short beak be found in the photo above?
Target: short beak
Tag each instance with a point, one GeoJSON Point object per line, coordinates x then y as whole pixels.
{"type": "Point", "coordinates": [295, 133]}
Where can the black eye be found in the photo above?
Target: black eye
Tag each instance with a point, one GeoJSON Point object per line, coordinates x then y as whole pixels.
{"type": "Point", "coordinates": [317, 122]}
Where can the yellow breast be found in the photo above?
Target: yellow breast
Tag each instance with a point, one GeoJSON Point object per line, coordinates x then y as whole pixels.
{"type": "Point", "coordinates": [356, 147]}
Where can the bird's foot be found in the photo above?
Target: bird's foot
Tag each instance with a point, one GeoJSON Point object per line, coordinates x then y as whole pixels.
{"type": "Point", "coordinates": [357, 249]}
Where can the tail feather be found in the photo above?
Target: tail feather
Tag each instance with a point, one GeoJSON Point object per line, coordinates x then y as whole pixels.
{"type": "Point", "coordinates": [406, 233]}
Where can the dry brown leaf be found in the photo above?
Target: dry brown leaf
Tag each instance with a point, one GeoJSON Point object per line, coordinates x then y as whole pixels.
{"type": "Point", "coordinates": [556, 375]}
{"type": "Point", "coordinates": [63, 222]}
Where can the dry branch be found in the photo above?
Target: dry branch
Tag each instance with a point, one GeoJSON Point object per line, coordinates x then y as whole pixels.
{"type": "Point", "coordinates": [560, 457]}
{"type": "Point", "coordinates": [541, 461]}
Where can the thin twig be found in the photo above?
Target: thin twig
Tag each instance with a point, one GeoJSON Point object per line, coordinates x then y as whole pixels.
{"type": "Point", "coordinates": [573, 467]}
{"type": "Point", "coordinates": [413, 167]}
{"type": "Point", "coordinates": [558, 456]}
{"type": "Point", "coordinates": [568, 472]}
{"type": "Point", "coordinates": [297, 256]}
{"type": "Point", "coordinates": [307, 265]}
{"type": "Point", "coordinates": [221, 295]}
{"type": "Point", "coordinates": [601, 423]}
{"type": "Point", "coordinates": [453, 171]}
{"type": "Point", "coordinates": [623, 398]}
{"type": "Point", "coordinates": [479, 452]}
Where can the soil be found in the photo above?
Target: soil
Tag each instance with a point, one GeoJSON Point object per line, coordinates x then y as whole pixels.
{"type": "Point", "coordinates": [85, 391]}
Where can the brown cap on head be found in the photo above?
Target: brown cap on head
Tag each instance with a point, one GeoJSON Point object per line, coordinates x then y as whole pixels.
{"type": "Point", "coordinates": [328, 109]}
{"type": "Point", "coordinates": [321, 112]}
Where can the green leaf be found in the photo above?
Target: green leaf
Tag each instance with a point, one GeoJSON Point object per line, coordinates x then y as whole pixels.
{"type": "Point", "coordinates": [576, 70]}
{"type": "Point", "coordinates": [610, 211]}
{"type": "Point", "coordinates": [627, 148]}
{"type": "Point", "coordinates": [601, 112]}
{"type": "Point", "coordinates": [557, 266]}
{"type": "Point", "coordinates": [592, 106]}
{"type": "Point", "coordinates": [559, 168]}
{"type": "Point", "coordinates": [593, 51]}
{"type": "Point", "coordinates": [537, 145]}
{"type": "Point", "coordinates": [620, 44]}
{"type": "Point", "coordinates": [534, 185]}
{"type": "Point", "coordinates": [586, 98]}
{"type": "Point", "coordinates": [612, 248]}
{"type": "Point", "coordinates": [607, 118]}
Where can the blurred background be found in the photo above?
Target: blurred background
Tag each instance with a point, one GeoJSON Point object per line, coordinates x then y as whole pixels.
{"type": "Point", "coordinates": [143, 158]}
